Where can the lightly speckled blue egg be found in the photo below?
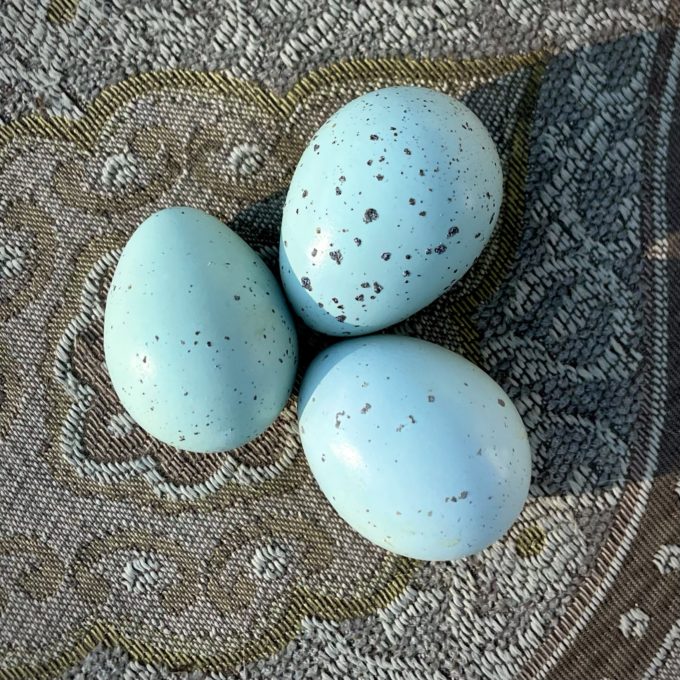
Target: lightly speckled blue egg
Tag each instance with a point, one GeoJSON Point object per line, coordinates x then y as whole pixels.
{"type": "Point", "coordinates": [390, 204]}
{"type": "Point", "coordinates": [415, 447]}
{"type": "Point", "coordinates": [199, 342]}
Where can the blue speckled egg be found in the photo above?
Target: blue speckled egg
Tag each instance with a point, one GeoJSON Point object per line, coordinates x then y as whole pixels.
{"type": "Point", "coordinates": [390, 204]}
{"type": "Point", "coordinates": [416, 448]}
{"type": "Point", "coordinates": [199, 342]}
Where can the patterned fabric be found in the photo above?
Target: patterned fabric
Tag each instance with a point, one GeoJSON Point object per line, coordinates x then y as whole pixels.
{"type": "Point", "coordinates": [121, 557]}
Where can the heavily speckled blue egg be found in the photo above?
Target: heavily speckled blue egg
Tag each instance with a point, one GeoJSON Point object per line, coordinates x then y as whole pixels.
{"type": "Point", "coordinates": [390, 204]}
{"type": "Point", "coordinates": [416, 448]}
{"type": "Point", "coordinates": [199, 342]}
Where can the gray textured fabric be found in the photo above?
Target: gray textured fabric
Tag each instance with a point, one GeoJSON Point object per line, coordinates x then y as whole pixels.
{"type": "Point", "coordinates": [120, 557]}
{"type": "Point", "coordinates": [61, 65]}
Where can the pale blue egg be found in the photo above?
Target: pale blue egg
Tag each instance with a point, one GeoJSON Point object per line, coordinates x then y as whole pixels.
{"type": "Point", "coordinates": [199, 342]}
{"type": "Point", "coordinates": [390, 204]}
{"type": "Point", "coordinates": [416, 448]}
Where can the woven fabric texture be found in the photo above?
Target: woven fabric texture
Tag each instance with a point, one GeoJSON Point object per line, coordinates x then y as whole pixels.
{"type": "Point", "coordinates": [121, 557]}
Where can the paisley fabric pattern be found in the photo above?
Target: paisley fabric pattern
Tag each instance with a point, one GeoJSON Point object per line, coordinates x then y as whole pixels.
{"type": "Point", "coordinates": [123, 557]}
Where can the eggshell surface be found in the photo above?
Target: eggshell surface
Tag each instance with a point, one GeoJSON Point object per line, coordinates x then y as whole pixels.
{"type": "Point", "coordinates": [199, 343]}
{"type": "Point", "coordinates": [390, 204]}
{"type": "Point", "coordinates": [415, 447]}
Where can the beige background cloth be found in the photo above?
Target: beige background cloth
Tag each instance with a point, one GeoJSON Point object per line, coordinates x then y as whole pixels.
{"type": "Point", "coordinates": [124, 558]}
